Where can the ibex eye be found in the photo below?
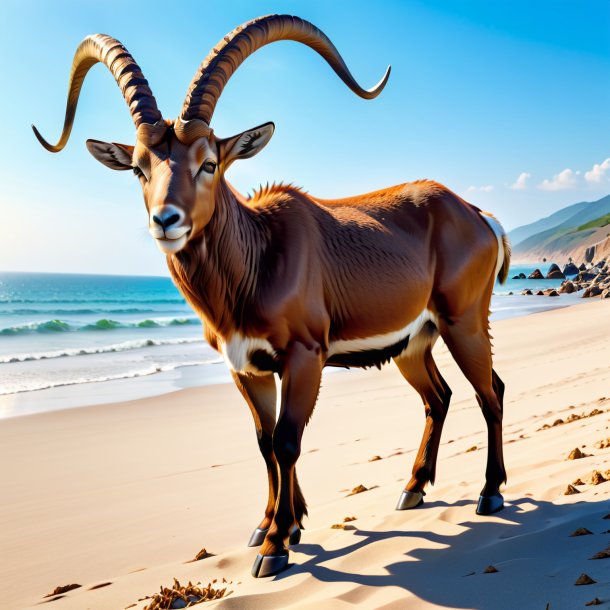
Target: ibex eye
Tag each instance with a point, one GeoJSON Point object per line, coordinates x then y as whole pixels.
{"type": "Point", "coordinates": [209, 167]}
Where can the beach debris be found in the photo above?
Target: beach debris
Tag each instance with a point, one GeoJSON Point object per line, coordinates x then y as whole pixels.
{"type": "Point", "coordinates": [62, 589]}
{"type": "Point", "coordinates": [576, 454]}
{"type": "Point", "coordinates": [342, 526]}
{"type": "Point", "coordinates": [571, 490]}
{"type": "Point", "coordinates": [605, 554]}
{"type": "Point", "coordinates": [581, 531]}
{"type": "Point", "coordinates": [375, 458]}
{"type": "Point", "coordinates": [358, 490]}
{"type": "Point", "coordinates": [203, 554]}
{"type": "Point", "coordinates": [473, 448]}
{"type": "Point", "coordinates": [603, 444]}
{"type": "Point", "coordinates": [595, 478]}
{"type": "Point", "coordinates": [572, 417]}
{"type": "Point", "coordinates": [179, 596]}
{"type": "Point", "coordinates": [594, 602]}
{"type": "Point", "coordinates": [490, 570]}
{"type": "Point", "coordinates": [348, 519]}
{"type": "Point", "coordinates": [584, 579]}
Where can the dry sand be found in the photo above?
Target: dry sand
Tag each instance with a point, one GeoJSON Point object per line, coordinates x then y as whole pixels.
{"type": "Point", "coordinates": [127, 494]}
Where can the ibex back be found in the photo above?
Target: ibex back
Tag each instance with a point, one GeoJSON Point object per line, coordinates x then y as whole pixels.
{"type": "Point", "coordinates": [286, 283]}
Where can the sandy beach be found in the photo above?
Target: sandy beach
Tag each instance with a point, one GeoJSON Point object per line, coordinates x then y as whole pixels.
{"type": "Point", "coordinates": [120, 498]}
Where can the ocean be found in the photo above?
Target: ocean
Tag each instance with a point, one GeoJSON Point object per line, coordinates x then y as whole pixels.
{"type": "Point", "coordinates": [62, 335]}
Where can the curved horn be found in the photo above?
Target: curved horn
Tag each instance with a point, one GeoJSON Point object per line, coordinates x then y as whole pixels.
{"type": "Point", "coordinates": [224, 59]}
{"type": "Point", "coordinates": [100, 48]}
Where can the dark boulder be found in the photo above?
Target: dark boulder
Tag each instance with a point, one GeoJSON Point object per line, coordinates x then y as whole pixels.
{"type": "Point", "coordinates": [555, 273]}
{"type": "Point", "coordinates": [553, 293]}
{"type": "Point", "coordinates": [591, 291]}
{"type": "Point", "coordinates": [582, 267]}
{"type": "Point", "coordinates": [535, 275]}
{"type": "Point", "coordinates": [570, 269]}
{"type": "Point", "coordinates": [567, 288]}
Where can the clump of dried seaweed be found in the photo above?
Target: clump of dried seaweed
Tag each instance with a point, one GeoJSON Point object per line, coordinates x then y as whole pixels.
{"type": "Point", "coordinates": [179, 596]}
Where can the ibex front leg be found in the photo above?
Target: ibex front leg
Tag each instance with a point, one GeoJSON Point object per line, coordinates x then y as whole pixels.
{"type": "Point", "coordinates": [260, 392]}
{"type": "Point", "coordinates": [300, 386]}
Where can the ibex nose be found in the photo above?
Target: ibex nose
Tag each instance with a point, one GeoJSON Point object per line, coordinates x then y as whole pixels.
{"type": "Point", "coordinates": [166, 219]}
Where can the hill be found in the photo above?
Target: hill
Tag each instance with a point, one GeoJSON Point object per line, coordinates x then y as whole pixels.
{"type": "Point", "coordinates": [580, 231]}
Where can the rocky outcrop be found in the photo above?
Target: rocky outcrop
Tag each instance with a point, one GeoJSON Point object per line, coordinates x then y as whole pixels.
{"type": "Point", "coordinates": [555, 273]}
{"type": "Point", "coordinates": [570, 269]}
{"type": "Point", "coordinates": [535, 275]}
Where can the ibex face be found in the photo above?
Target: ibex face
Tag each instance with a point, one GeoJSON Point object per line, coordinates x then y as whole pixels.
{"type": "Point", "coordinates": [179, 166]}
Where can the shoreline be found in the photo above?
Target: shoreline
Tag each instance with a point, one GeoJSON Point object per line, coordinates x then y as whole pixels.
{"type": "Point", "coordinates": [78, 395]}
{"type": "Point", "coordinates": [126, 494]}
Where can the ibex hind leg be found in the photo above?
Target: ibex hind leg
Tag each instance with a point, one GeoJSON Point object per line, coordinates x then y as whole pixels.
{"type": "Point", "coordinates": [418, 367]}
{"type": "Point", "coordinates": [469, 344]}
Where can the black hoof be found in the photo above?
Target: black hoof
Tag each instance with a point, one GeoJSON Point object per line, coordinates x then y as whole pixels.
{"type": "Point", "coordinates": [295, 535]}
{"type": "Point", "coordinates": [268, 565]}
{"type": "Point", "coordinates": [410, 499]}
{"type": "Point", "coordinates": [258, 536]}
{"type": "Point", "coordinates": [488, 505]}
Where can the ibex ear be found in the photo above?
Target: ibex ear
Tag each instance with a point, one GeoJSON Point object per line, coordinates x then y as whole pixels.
{"type": "Point", "coordinates": [246, 144]}
{"type": "Point", "coordinates": [112, 155]}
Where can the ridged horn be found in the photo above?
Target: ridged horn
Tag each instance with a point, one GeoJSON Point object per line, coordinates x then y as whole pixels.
{"type": "Point", "coordinates": [224, 59]}
{"type": "Point", "coordinates": [101, 48]}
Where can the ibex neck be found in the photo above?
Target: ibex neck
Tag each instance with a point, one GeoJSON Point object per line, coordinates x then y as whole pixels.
{"type": "Point", "coordinates": [218, 272]}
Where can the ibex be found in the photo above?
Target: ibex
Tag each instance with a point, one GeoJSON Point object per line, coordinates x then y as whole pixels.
{"type": "Point", "coordinates": [286, 283]}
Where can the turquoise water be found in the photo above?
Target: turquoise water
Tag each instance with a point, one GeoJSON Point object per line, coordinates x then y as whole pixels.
{"type": "Point", "coordinates": [60, 330]}
{"type": "Point", "coordinates": [516, 286]}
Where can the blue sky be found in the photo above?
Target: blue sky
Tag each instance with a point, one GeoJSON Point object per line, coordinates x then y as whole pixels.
{"type": "Point", "coordinates": [506, 103]}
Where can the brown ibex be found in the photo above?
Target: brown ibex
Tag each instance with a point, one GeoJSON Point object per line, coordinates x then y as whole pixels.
{"type": "Point", "coordinates": [286, 283]}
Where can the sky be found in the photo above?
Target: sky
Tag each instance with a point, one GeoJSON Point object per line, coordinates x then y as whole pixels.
{"type": "Point", "coordinates": [506, 103]}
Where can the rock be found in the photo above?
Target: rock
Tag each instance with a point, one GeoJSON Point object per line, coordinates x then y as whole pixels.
{"type": "Point", "coordinates": [578, 481]}
{"type": "Point", "coordinates": [570, 269]}
{"type": "Point", "coordinates": [591, 291]}
{"type": "Point", "coordinates": [358, 490]}
{"type": "Point", "coordinates": [540, 293]}
{"type": "Point", "coordinates": [490, 570]}
{"type": "Point", "coordinates": [586, 276]}
{"type": "Point", "coordinates": [567, 287]}
{"type": "Point", "coordinates": [582, 267]}
{"type": "Point", "coordinates": [375, 458]}
{"type": "Point", "coordinates": [522, 276]}
{"type": "Point", "coordinates": [581, 531]}
{"type": "Point", "coordinates": [605, 294]}
{"type": "Point", "coordinates": [570, 491]}
{"type": "Point", "coordinates": [576, 454]}
{"type": "Point", "coordinates": [605, 554]}
{"type": "Point", "coordinates": [594, 602]}
{"type": "Point", "coordinates": [527, 292]}
{"type": "Point", "coordinates": [595, 478]}
{"type": "Point", "coordinates": [553, 293]}
{"type": "Point", "coordinates": [584, 579]}
{"type": "Point", "coordinates": [554, 273]}
{"type": "Point", "coordinates": [535, 275]}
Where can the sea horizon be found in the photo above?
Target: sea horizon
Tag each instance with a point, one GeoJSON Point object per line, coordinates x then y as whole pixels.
{"type": "Point", "coordinates": [75, 339]}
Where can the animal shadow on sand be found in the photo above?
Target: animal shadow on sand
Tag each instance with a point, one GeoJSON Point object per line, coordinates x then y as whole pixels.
{"type": "Point", "coordinates": [529, 543]}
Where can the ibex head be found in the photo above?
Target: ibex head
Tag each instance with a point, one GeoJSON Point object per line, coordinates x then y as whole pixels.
{"type": "Point", "coordinates": [180, 164]}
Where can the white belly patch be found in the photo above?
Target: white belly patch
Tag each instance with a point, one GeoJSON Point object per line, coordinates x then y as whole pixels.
{"type": "Point", "coordinates": [379, 342]}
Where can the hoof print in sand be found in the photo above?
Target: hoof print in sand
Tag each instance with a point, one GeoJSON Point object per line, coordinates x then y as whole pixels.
{"type": "Point", "coordinates": [581, 531]}
{"type": "Point", "coordinates": [571, 490]}
{"type": "Point", "coordinates": [585, 579]}
{"type": "Point", "coordinates": [490, 570]}
{"type": "Point", "coordinates": [358, 490]}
